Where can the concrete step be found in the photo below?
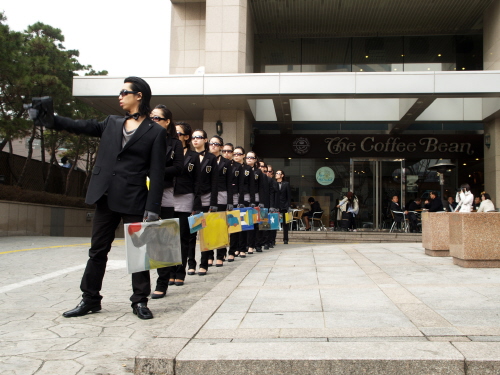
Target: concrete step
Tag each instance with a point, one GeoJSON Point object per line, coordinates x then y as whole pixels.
{"type": "Point", "coordinates": [349, 237]}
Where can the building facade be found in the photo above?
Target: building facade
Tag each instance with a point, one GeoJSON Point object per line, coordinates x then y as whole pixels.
{"type": "Point", "coordinates": [354, 95]}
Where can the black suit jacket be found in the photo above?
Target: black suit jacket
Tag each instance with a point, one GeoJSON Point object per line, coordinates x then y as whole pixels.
{"type": "Point", "coordinates": [275, 194]}
{"type": "Point", "coordinates": [285, 196]}
{"type": "Point", "coordinates": [224, 178]}
{"type": "Point", "coordinates": [435, 205]}
{"type": "Point", "coordinates": [121, 172]}
{"type": "Point", "coordinates": [235, 177]}
{"type": "Point", "coordinates": [264, 190]}
{"type": "Point", "coordinates": [209, 177]}
{"type": "Point", "coordinates": [187, 182]}
{"type": "Point", "coordinates": [174, 162]}
{"type": "Point", "coordinates": [248, 184]}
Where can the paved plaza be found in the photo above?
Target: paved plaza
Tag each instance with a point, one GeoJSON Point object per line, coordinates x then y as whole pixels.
{"type": "Point", "coordinates": [338, 308]}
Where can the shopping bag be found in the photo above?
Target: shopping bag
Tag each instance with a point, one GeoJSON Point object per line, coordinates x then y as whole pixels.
{"type": "Point", "coordinates": [274, 221]}
{"type": "Point", "coordinates": [151, 245]}
{"type": "Point", "coordinates": [196, 222]}
{"type": "Point", "coordinates": [256, 215]}
{"type": "Point", "coordinates": [246, 218]}
{"type": "Point", "coordinates": [264, 219]}
{"type": "Point", "coordinates": [233, 221]}
{"type": "Point", "coordinates": [215, 234]}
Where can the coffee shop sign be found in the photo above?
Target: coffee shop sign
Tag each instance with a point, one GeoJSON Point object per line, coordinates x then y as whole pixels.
{"type": "Point", "coordinates": [394, 144]}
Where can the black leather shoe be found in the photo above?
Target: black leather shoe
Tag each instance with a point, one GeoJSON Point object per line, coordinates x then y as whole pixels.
{"type": "Point", "coordinates": [266, 247]}
{"type": "Point", "coordinates": [285, 242]}
{"type": "Point", "coordinates": [179, 283]}
{"type": "Point", "coordinates": [171, 283]}
{"type": "Point", "coordinates": [82, 309]}
{"type": "Point", "coordinates": [259, 250]}
{"type": "Point", "coordinates": [142, 311]}
{"type": "Point", "coordinates": [200, 273]}
{"type": "Point", "coordinates": [157, 295]}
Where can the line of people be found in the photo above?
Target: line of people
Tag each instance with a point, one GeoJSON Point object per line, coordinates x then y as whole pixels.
{"type": "Point", "coordinates": [188, 173]}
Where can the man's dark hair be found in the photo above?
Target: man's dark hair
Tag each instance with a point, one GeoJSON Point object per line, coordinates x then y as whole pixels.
{"type": "Point", "coordinates": [138, 84]}
{"type": "Point", "coordinates": [311, 200]}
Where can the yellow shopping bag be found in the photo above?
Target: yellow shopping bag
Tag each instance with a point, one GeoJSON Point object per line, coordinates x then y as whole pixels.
{"type": "Point", "coordinates": [215, 234]}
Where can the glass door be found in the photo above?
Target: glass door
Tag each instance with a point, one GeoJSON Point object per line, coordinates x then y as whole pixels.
{"type": "Point", "coordinates": [375, 181]}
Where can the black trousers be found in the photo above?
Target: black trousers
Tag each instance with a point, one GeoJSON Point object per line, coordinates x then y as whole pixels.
{"type": "Point", "coordinates": [103, 234]}
{"type": "Point", "coordinates": [352, 220]}
{"type": "Point", "coordinates": [166, 273]}
{"type": "Point", "coordinates": [285, 226]}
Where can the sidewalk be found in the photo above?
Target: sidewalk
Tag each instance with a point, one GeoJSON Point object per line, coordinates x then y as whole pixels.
{"type": "Point", "coordinates": [295, 309]}
{"type": "Point", "coordinates": [338, 309]}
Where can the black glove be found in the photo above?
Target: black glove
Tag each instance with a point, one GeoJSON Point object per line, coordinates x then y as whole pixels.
{"type": "Point", "coordinates": [150, 216]}
{"type": "Point", "coordinates": [230, 207]}
{"type": "Point", "coordinates": [261, 205]}
{"type": "Point", "coordinates": [42, 112]}
{"type": "Point", "coordinates": [213, 209]}
{"type": "Point", "coordinates": [241, 206]}
{"type": "Point", "coordinates": [252, 205]}
{"type": "Point", "coordinates": [195, 213]}
{"type": "Point", "coordinates": [272, 210]}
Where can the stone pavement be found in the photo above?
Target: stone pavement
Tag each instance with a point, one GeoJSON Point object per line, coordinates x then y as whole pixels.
{"type": "Point", "coordinates": [295, 309]}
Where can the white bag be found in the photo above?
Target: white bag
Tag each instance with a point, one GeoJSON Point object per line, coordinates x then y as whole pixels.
{"type": "Point", "coordinates": [151, 245]}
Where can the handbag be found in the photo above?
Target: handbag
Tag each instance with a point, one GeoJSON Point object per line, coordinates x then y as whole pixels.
{"type": "Point", "coordinates": [150, 245]}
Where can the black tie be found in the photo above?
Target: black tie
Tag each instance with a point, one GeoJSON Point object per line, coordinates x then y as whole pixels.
{"type": "Point", "coordinates": [135, 116]}
{"type": "Point", "coordinates": [201, 153]}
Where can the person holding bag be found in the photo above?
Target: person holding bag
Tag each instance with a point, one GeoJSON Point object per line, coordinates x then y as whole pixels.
{"type": "Point", "coordinates": [173, 168]}
{"type": "Point", "coordinates": [132, 148]}
{"type": "Point", "coordinates": [208, 193]}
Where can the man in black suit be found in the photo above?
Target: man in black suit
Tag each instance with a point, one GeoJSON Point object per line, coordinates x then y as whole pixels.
{"type": "Point", "coordinates": [284, 200]}
{"type": "Point", "coordinates": [132, 148]}
{"type": "Point", "coordinates": [435, 204]}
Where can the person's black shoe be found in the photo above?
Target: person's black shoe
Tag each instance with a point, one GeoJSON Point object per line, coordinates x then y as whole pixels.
{"type": "Point", "coordinates": [179, 283]}
{"type": "Point", "coordinates": [285, 242]}
{"type": "Point", "coordinates": [258, 249]}
{"type": "Point", "coordinates": [157, 295]}
{"type": "Point", "coordinates": [171, 282]}
{"type": "Point", "coordinates": [81, 309]}
{"type": "Point", "coordinates": [142, 311]}
{"type": "Point", "coordinates": [266, 247]}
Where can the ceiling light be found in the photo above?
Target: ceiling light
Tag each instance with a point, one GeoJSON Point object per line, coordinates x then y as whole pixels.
{"type": "Point", "coordinates": [287, 114]}
{"type": "Point", "coordinates": [289, 158]}
{"type": "Point", "coordinates": [439, 55]}
{"type": "Point", "coordinates": [366, 57]}
{"type": "Point", "coordinates": [465, 163]}
{"type": "Point", "coordinates": [360, 70]}
{"type": "Point", "coordinates": [463, 68]}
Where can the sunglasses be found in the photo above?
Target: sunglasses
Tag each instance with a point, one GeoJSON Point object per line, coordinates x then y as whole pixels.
{"type": "Point", "coordinates": [179, 133]}
{"type": "Point", "coordinates": [126, 92]}
{"type": "Point", "coordinates": [238, 154]}
{"type": "Point", "coordinates": [270, 171]}
{"type": "Point", "coordinates": [214, 144]}
{"type": "Point", "coordinates": [279, 173]}
{"type": "Point", "coordinates": [198, 137]}
{"type": "Point", "coordinates": [158, 118]}
{"type": "Point", "coordinates": [227, 151]}
{"type": "Point", "coordinates": [250, 157]}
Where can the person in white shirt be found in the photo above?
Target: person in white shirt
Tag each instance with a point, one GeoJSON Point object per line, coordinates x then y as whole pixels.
{"type": "Point", "coordinates": [486, 203]}
{"type": "Point", "coordinates": [465, 199]}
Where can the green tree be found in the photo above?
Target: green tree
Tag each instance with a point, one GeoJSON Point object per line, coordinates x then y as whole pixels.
{"type": "Point", "coordinates": [32, 64]}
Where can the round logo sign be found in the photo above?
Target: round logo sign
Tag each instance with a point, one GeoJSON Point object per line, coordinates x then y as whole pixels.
{"type": "Point", "coordinates": [325, 176]}
{"type": "Point", "coordinates": [301, 145]}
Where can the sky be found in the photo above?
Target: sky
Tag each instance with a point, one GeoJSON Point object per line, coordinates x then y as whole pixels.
{"type": "Point", "coordinates": [126, 38]}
